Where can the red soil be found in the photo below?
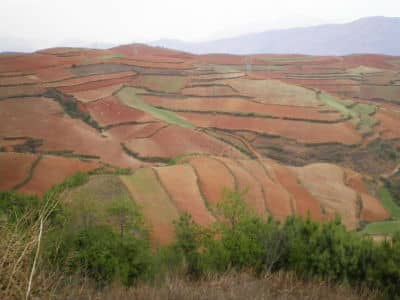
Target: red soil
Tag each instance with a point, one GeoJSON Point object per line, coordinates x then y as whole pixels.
{"type": "Point", "coordinates": [325, 183]}
{"type": "Point", "coordinates": [110, 110]}
{"type": "Point", "coordinates": [42, 118]}
{"type": "Point", "coordinates": [20, 91]}
{"type": "Point", "coordinates": [245, 181]}
{"type": "Point", "coordinates": [213, 178]}
{"type": "Point", "coordinates": [175, 140]}
{"type": "Point", "coordinates": [96, 84]}
{"type": "Point", "coordinates": [96, 94]}
{"type": "Point", "coordinates": [14, 168]}
{"type": "Point", "coordinates": [228, 59]}
{"type": "Point", "coordinates": [277, 199]}
{"type": "Point", "coordinates": [158, 209]}
{"type": "Point", "coordinates": [370, 60]}
{"type": "Point", "coordinates": [181, 184]}
{"type": "Point", "coordinates": [372, 209]}
{"type": "Point", "coordinates": [128, 132]}
{"type": "Point", "coordinates": [304, 202]}
{"type": "Point", "coordinates": [209, 91]}
{"type": "Point", "coordinates": [18, 80]}
{"type": "Point", "coordinates": [239, 105]}
{"type": "Point", "coordinates": [389, 127]}
{"type": "Point", "coordinates": [78, 83]}
{"type": "Point", "coordinates": [31, 62]}
{"type": "Point", "coordinates": [304, 132]}
{"type": "Point", "coordinates": [53, 74]}
{"type": "Point", "coordinates": [52, 170]}
{"type": "Point", "coordinates": [144, 50]}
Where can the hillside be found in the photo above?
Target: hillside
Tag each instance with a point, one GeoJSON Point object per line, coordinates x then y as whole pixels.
{"type": "Point", "coordinates": [304, 134]}
{"type": "Point", "coordinates": [367, 35]}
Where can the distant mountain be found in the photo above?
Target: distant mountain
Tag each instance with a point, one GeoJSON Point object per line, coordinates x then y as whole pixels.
{"type": "Point", "coordinates": [366, 35]}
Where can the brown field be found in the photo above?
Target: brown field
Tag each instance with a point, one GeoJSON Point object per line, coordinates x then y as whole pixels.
{"type": "Point", "coordinates": [14, 168]}
{"type": "Point", "coordinates": [232, 106]}
{"type": "Point", "coordinates": [209, 91]}
{"type": "Point", "coordinates": [158, 209]}
{"type": "Point", "coordinates": [325, 183]}
{"type": "Point", "coordinates": [96, 93]}
{"type": "Point", "coordinates": [110, 110]}
{"type": "Point", "coordinates": [304, 132]}
{"type": "Point", "coordinates": [181, 184]}
{"type": "Point", "coordinates": [275, 92]}
{"type": "Point", "coordinates": [175, 140]}
{"type": "Point", "coordinates": [20, 91]}
{"type": "Point", "coordinates": [128, 132]}
{"type": "Point", "coordinates": [80, 81]}
{"type": "Point", "coordinates": [278, 201]}
{"type": "Point", "coordinates": [52, 170]}
{"type": "Point", "coordinates": [245, 181]}
{"type": "Point", "coordinates": [372, 209]}
{"type": "Point", "coordinates": [389, 127]}
{"type": "Point", "coordinates": [213, 177]}
{"type": "Point", "coordinates": [304, 203]}
{"type": "Point", "coordinates": [33, 117]}
{"type": "Point", "coordinates": [18, 80]}
{"type": "Point", "coordinates": [241, 106]}
{"type": "Point", "coordinates": [53, 74]}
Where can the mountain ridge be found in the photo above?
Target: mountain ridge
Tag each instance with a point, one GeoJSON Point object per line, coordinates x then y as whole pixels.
{"type": "Point", "coordinates": [365, 35]}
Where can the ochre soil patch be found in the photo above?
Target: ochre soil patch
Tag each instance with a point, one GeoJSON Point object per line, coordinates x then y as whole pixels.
{"type": "Point", "coordinates": [20, 91]}
{"type": "Point", "coordinates": [372, 209]}
{"type": "Point", "coordinates": [277, 199]}
{"type": "Point", "coordinates": [42, 118]}
{"type": "Point", "coordinates": [389, 126]}
{"type": "Point", "coordinates": [209, 91]}
{"type": "Point", "coordinates": [53, 74]}
{"type": "Point", "coordinates": [18, 80]}
{"type": "Point", "coordinates": [128, 132]}
{"type": "Point", "coordinates": [325, 183]}
{"type": "Point", "coordinates": [110, 110]}
{"type": "Point", "coordinates": [213, 178]}
{"type": "Point", "coordinates": [144, 50]}
{"type": "Point", "coordinates": [301, 131]}
{"type": "Point", "coordinates": [175, 140]}
{"type": "Point", "coordinates": [95, 84]}
{"type": "Point", "coordinates": [180, 181]}
{"type": "Point", "coordinates": [157, 207]}
{"type": "Point", "coordinates": [227, 59]}
{"type": "Point", "coordinates": [52, 170]}
{"type": "Point", "coordinates": [14, 168]}
{"type": "Point", "coordinates": [304, 202]}
{"type": "Point", "coordinates": [241, 106]}
{"type": "Point", "coordinates": [245, 181]}
{"type": "Point", "coordinates": [96, 94]}
{"type": "Point", "coordinates": [78, 83]}
{"type": "Point", "coordinates": [275, 92]}
{"type": "Point", "coordinates": [32, 62]}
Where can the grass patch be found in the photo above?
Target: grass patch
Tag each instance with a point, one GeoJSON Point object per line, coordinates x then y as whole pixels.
{"type": "Point", "coordinates": [359, 112]}
{"type": "Point", "coordinates": [388, 202]}
{"type": "Point", "coordinates": [130, 96]}
{"type": "Point", "coordinates": [382, 228]}
{"type": "Point", "coordinates": [166, 83]}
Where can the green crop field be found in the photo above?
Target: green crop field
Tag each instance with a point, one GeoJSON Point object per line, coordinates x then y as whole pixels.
{"type": "Point", "coordinates": [389, 203]}
{"type": "Point", "coordinates": [382, 228]}
{"type": "Point", "coordinates": [130, 96]}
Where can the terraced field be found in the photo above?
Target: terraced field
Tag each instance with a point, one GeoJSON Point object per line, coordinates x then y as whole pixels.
{"type": "Point", "coordinates": [302, 134]}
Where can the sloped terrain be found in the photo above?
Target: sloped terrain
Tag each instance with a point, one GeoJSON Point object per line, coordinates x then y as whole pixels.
{"type": "Point", "coordinates": [304, 135]}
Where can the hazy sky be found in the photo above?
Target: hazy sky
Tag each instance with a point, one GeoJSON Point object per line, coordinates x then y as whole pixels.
{"type": "Point", "coordinates": [44, 23]}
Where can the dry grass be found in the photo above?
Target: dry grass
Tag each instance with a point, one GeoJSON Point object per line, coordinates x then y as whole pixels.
{"type": "Point", "coordinates": [232, 286]}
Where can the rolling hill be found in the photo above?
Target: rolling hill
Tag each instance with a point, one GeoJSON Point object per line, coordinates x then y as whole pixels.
{"type": "Point", "coordinates": [316, 135]}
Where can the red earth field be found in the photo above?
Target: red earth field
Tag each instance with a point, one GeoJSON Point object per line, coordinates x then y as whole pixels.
{"type": "Point", "coordinates": [202, 123]}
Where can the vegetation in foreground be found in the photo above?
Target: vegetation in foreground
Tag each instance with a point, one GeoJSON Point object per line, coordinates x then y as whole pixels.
{"type": "Point", "coordinates": [44, 254]}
